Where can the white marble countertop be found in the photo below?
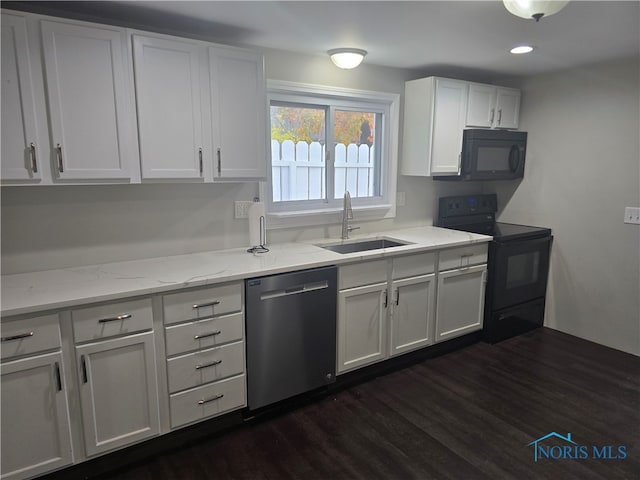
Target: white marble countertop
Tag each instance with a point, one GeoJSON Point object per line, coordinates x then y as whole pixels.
{"type": "Point", "coordinates": [63, 288]}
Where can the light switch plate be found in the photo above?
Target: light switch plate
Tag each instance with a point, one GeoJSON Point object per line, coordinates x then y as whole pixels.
{"type": "Point", "coordinates": [632, 215]}
{"type": "Point", "coordinates": [242, 209]}
{"type": "Point", "coordinates": [400, 199]}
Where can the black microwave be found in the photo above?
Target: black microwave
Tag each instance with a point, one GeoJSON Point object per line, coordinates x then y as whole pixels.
{"type": "Point", "coordinates": [491, 155]}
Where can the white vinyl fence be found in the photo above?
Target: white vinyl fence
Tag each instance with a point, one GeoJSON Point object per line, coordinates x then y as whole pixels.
{"type": "Point", "coordinates": [299, 170]}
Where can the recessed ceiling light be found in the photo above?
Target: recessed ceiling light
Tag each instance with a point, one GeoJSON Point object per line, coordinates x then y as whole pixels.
{"type": "Point", "coordinates": [520, 49]}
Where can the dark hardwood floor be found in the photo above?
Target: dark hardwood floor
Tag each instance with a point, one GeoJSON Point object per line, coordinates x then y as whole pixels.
{"type": "Point", "coordinates": [469, 414]}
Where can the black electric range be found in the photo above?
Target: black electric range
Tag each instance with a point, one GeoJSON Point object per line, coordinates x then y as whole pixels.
{"type": "Point", "coordinates": [517, 266]}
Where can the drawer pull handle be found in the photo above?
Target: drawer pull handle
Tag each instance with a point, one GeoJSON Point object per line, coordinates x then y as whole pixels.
{"type": "Point", "coordinates": [205, 335]}
{"type": "Point", "coordinates": [17, 337]}
{"type": "Point", "coordinates": [202, 305]}
{"type": "Point", "coordinates": [212, 399]}
{"type": "Point", "coordinates": [58, 377]}
{"type": "Point", "coordinates": [116, 319]}
{"type": "Point", "coordinates": [206, 365]}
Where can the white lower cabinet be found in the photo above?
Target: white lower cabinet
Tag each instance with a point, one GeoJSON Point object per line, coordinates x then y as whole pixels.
{"type": "Point", "coordinates": [412, 313]}
{"type": "Point", "coordinates": [460, 301]}
{"type": "Point", "coordinates": [118, 392]}
{"type": "Point", "coordinates": [386, 318]}
{"type": "Point", "coordinates": [204, 333]}
{"type": "Point", "coordinates": [362, 326]}
{"type": "Point", "coordinates": [35, 420]}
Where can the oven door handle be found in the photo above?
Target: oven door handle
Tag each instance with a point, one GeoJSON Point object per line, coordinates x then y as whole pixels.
{"type": "Point", "coordinates": [528, 242]}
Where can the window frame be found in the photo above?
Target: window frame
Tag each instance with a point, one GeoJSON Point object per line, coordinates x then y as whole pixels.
{"type": "Point", "coordinates": [321, 212]}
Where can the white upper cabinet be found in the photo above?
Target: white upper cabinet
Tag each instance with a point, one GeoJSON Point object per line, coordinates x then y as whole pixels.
{"type": "Point", "coordinates": [492, 107]}
{"type": "Point", "coordinates": [239, 110]}
{"type": "Point", "coordinates": [21, 159]}
{"type": "Point", "coordinates": [436, 112]}
{"type": "Point", "coordinates": [92, 134]}
{"type": "Point", "coordinates": [434, 118]}
{"type": "Point", "coordinates": [507, 108]}
{"type": "Point", "coordinates": [169, 89]}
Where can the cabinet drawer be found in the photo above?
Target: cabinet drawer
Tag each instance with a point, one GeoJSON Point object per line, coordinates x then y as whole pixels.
{"type": "Point", "coordinates": [29, 335]}
{"type": "Point", "coordinates": [191, 336]}
{"type": "Point", "coordinates": [202, 303]}
{"type": "Point", "coordinates": [113, 319]}
{"type": "Point", "coordinates": [205, 367]}
{"type": "Point", "coordinates": [414, 265]}
{"type": "Point", "coordinates": [359, 274]}
{"type": "Point", "coordinates": [206, 401]}
{"type": "Point", "coordinates": [463, 256]}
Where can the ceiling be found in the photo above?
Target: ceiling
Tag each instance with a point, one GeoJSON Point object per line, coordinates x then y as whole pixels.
{"type": "Point", "coordinates": [420, 35]}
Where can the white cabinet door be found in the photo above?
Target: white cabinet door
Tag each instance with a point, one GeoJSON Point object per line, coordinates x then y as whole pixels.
{"type": "Point", "coordinates": [92, 133]}
{"type": "Point", "coordinates": [21, 159]}
{"type": "Point", "coordinates": [460, 302]}
{"type": "Point", "coordinates": [492, 107]}
{"type": "Point", "coordinates": [168, 78]}
{"type": "Point", "coordinates": [118, 392]}
{"type": "Point", "coordinates": [35, 418]}
{"type": "Point", "coordinates": [449, 113]}
{"type": "Point", "coordinates": [481, 107]}
{"type": "Point", "coordinates": [362, 323]}
{"type": "Point", "coordinates": [238, 113]}
{"type": "Point", "coordinates": [412, 313]}
{"type": "Point", "coordinates": [507, 108]}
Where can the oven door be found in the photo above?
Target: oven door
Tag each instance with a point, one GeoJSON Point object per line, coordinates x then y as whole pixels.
{"type": "Point", "coordinates": [520, 270]}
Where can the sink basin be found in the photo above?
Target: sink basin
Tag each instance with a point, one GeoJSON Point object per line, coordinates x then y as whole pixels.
{"type": "Point", "coordinates": [363, 245]}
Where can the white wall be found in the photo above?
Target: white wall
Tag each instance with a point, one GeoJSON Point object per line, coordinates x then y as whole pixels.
{"type": "Point", "coordinates": [583, 168]}
{"type": "Point", "coordinates": [63, 226]}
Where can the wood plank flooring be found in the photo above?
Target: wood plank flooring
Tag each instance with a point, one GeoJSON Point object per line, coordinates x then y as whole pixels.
{"type": "Point", "coordinates": [469, 414]}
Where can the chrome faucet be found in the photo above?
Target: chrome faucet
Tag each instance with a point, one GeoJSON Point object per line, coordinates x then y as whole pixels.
{"type": "Point", "coordinates": [347, 214]}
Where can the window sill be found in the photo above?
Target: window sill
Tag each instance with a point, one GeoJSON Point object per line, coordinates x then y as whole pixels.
{"type": "Point", "coordinates": [304, 218]}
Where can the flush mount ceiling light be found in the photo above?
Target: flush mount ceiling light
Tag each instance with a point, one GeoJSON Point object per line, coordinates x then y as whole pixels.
{"type": "Point", "coordinates": [347, 58]}
{"type": "Point", "coordinates": [520, 49]}
{"type": "Point", "coordinates": [534, 8]}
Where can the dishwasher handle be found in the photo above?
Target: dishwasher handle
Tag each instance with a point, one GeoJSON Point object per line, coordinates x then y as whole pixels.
{"type": "Point", "coordinates": [295, 290]}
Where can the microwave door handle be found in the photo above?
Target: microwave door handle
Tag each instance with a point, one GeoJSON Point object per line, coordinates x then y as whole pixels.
{"type": "Point", "coordinates": [514, 158]}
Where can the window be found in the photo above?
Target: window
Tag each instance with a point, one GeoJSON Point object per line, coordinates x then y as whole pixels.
{"type": "Point", "coordinates": [327, 141]}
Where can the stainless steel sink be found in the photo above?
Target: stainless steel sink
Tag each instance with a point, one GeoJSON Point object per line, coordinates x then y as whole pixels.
{"type": "Point", "coordinates": [363, 245]}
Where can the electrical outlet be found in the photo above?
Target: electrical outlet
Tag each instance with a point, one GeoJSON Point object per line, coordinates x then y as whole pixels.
{"type": "Point", "coordinates": [242, 209]}
{"type": "Point", "coordinates": [632, 215]}
{"type": "Point", "coordinates": [400, 199]}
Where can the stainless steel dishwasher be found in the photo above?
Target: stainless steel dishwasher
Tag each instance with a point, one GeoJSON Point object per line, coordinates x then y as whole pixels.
{"type": "Point", "coordinates": [291, 334]}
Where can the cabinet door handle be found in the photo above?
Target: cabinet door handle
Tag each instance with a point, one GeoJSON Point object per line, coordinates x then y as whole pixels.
{"type": "Point", "coordinates": [499, 116]}
{"type": "Point", "coordinates": [202, 305]}
{"type": "Point", "coordinates": [16, 337]}
{"type": "Point", "coordinates": [32, 153]}
{"type": "Point", "coordinates": [58, 377]}
{"type": "Point", "coordinates": [125, 316]}
{"type": "Point", "coordinates": [397, 296]}
{"type": "Point", "coordinates": [493, 114]}
{"type": "Point", "coordinates": [216, 397]}
{"type": "Point", "coordinates": [83, 367]}
{"type": "Point", "coordinates": [466, 257]}
{"type": "Point", "coordinates": [386, 299]}
{"type": "Point", "coordinates": [59, 155]}
{"type": "Point", "coordinates": [200, 160]}
{"type": "Point", "coordinates": [205, 335]}
{"type": "Point", "coordinates": [207, 365]}
{"type": "Point", "coordinates": [219, 162]}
